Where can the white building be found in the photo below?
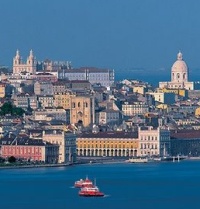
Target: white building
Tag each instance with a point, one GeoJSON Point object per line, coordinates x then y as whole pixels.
{"type": "Point", "coordinates": [94, 75]}
{"type": "Point", "coordinates": [66, 142]}
{"type": "Point", "coordinates": [134, 108]}
{"type": "Point", "coordinates": [24, 69]}
{"type": "Point", "coordinates": [153, 141]}
{"type": "Point", "coordinates": [179, 76]}
{"type": "Point", "coordinates": [55, 113]}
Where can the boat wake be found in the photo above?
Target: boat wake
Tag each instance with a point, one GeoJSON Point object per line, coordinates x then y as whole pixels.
{"type": "Point", "coordinates": [106, 195]}
{"type": "Point", "coordinates": [72, 187]}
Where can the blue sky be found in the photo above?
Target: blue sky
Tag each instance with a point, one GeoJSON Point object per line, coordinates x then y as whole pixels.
{"type": "Point", "coordinates": [119, 34]}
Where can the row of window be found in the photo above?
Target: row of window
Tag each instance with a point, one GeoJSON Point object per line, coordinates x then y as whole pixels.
{"type": "Point", "coordinates": [147, 153]}
{"type": "Point", "coordinates": [148, 146]}
{"type": "Point", "coordinates": [79, 104]}
{"type": "Point", "coordinates": [106, 146]}
{"type": "Point", "coordinates": [145, 138]}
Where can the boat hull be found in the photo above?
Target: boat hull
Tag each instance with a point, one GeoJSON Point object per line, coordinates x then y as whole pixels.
{"type": "Point", "coordinates": [137, 160]}
{"type": "Point", "coordinates": [91, 195]}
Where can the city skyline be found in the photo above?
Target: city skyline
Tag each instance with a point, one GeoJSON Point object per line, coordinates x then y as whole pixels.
{"type": "Point", "coordinates": [114, 34]}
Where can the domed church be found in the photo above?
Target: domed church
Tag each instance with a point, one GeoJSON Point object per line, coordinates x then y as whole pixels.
{"type": "Point", "coordinates": [179, 76]}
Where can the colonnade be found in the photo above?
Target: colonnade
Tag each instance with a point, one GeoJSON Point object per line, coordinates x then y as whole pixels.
{"type": "Point", "coordinates": [106, 152]}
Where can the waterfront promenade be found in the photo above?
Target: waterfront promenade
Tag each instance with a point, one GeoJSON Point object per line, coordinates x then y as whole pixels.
{"type": "Point", "coordinates": [85, 160]}
{"type": "Point", "coordinates": [16, 166]}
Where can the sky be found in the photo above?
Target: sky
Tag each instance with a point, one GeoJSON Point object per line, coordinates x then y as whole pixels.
{"type": "Point", "coordinates": [125, 35]}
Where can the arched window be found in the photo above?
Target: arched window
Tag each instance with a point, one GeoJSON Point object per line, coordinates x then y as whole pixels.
{"type": "Point", "coordinates": [178, 75]}
{"type": "Point", "coordinates": [79, 104]}
{"type": "Point", "coordinates": [86, 104]}
{"type": "Point", "coordinates": [73, 105]}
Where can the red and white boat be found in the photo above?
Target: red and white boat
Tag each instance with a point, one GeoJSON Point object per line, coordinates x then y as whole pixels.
{"type": "Point", "coordinates": [90, 192]}
{"type": "Point", "coordinates": [83, 183]}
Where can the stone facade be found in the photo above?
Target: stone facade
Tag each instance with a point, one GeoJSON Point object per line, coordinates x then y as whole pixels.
{"type": "Point", "coordinates": [179, 76]}
{"type": "Point", "coordinates": [66, 142]}
{"type": "Point", "coordinates": [28, 68]}
{"type": "Point", "coordinates": [94, 75]}
{"type": "Point", "coordinates": [134, 108]}
{"type": "Point", "coordinates": [82, 110]}
{"type": "Point", "coordinates": [153, 142]}
{"type": "Point", "coordinates": [115, 144]}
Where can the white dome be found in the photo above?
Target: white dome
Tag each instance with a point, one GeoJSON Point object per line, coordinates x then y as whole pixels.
{"type": "Point", "coordinates": [180, 65]}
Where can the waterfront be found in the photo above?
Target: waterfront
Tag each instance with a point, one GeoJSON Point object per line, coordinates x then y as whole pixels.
{"type": "Point", "coordinates": [139, 186]}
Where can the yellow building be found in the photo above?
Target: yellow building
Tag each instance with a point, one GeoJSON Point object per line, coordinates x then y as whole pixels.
{"type": "Point", "coordinates": [140, 89]}
{"type": "Point", "coordinates": [162, 106]}
{"type": "Point", "coordinates": [63, 99]}
{"type": "Point", "coordinates": [180, 92]}
{"type": "Point", "coordinates": [197, 112]}
{"type": "Point", "coordinates": [115, 144]}
{"type": "Point", "coordinates": [2, 90]}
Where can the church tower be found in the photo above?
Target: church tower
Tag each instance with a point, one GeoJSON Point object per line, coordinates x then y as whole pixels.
{"type": "Point", "coordinates": [27, 68]}
{"type": "Point", "coordinates": [16, 62]}
{"type": "Point", "coordinates": [31, 63]}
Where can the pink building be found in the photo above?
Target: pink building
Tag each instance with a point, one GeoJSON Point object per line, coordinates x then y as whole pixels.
{"type": "Point", "coordinates": [23, 147]}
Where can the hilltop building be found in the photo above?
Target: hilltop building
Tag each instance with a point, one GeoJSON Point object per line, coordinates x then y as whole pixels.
{"type": "Point", "coordinates": [94, 75]}
{"type": "Point", "coordinates": [179, 76]}
{"type": "Point", "coordinates": [27, 68]}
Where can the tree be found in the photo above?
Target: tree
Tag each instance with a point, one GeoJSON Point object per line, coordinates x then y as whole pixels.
{"type": "Point", "coordinates": [11, 159]}
{"type": "Point", "coordinates": [8, 108]}
{"type": "Point", "coordinates": [18, 111]}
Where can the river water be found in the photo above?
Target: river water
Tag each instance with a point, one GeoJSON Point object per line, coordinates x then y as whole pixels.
{"type": "Point", "coordinates": [127, 186]}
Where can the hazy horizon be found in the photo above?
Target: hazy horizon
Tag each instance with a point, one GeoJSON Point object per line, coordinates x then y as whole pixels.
{"type": "Point", "coordinates": [109, 34]}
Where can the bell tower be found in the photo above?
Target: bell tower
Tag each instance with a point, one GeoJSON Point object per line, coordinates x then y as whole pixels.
{"type": "Point", "coordinates": [16, 62]}
{"type": "Point", "coordinates": [31, 63]}
{"type": "Point", "coordinates": [26, 68]}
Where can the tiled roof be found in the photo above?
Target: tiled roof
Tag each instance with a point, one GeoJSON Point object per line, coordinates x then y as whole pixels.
{"type": "Point", "coordinates": [109, 135]}
{"type": "Point", "coordinates": [79, 81]}
{"type": "Point", "coordinates": [25, 141]}
{"type": "Point", "coordinates": [55, 131]}
{"type": "Point", "coordinates": [186, 134]}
